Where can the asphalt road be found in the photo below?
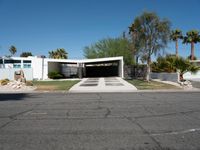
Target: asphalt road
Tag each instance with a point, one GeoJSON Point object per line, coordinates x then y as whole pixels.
{"type": "Point", "coordinates": [123, 121]}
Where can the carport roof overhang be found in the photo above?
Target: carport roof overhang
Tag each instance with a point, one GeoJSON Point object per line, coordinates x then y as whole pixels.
{"type": "Point", "coordinates": [96, 60]}
{"type": "Point", "coordinates": [91, 61]}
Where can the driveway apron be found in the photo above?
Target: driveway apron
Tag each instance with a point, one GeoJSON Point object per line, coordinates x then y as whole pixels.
{"type": "Point", "coordinates": [109, 84]}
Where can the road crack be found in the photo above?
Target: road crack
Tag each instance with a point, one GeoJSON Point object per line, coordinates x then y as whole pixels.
{"type": "Point", "coordinates": [108, 112]}
{"type": "Point", "coordinates": [144, 131]}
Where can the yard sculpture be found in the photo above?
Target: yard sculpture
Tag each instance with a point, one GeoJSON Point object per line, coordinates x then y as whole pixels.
{"type": "Point", "coordinates": [19, 76]}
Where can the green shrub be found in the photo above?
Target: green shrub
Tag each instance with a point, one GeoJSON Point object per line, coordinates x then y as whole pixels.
{"type": "Point", "coordinates": [29, 83]}
{"type": "Point", "coordinates": [164, 64]}
{"type": "Point", "coordinates": [4, 81]}
{"type": "Point", "coordinates": [55, 75]}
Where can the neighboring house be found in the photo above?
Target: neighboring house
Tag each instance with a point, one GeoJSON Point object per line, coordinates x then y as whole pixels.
{"type": "Point", "coordinates": [38, 68]}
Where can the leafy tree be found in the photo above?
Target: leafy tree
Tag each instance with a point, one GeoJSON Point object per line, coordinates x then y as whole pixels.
{"type": "Point", "coordinates": [26, 54]}
{"type": "Point", "coordinates": [192, 37]}
{"type": "Point", "coordinates": [137, 44]}
{"type": "Point", "coordinates": [153, 34]}
{"type": "Point", "coordinates": [175, 36]}
{"type": "Point", "coordinates": [12, 50]}
{"type": "Point", "coordinates": [110, 47]}
{"type": "Point", "coordinates": [59, 53]}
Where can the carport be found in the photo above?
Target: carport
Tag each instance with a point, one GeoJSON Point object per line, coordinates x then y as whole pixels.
{"type": "Point", "coordinates": [99, 67]}
{"type": "Point", "coordinates": [103, 67]}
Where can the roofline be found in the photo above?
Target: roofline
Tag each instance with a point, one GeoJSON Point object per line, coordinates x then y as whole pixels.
{"type": "Point", "coordinates": [70, 60]}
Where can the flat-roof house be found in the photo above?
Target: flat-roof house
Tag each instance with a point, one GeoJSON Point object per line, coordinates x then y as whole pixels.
{"type": "Point", "coordinates": [38, 68]}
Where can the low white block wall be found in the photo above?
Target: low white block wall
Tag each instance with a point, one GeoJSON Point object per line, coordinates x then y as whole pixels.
{"type": "Point", "coordinates": [174, 77]}
{"type": "Point", "coordinates": [191, 76]}
{"type": "Point", "coordinates": [8, 73]}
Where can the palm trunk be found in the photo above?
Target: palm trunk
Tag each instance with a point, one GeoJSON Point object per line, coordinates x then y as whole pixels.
{"type": "Point", "coordinates": [176, 48]}
{"type": "Point", "coordinates": [181, 77]}
{"type": "Point", "coordinates": [192, 51]}
{"type": "Point", "coordinates": [148, 68]}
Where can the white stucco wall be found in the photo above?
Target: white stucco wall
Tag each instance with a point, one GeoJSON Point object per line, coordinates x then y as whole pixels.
{"type": "Point", "coordinates": [37, 67]}
{"type": "Point", "coordinates": [192, 76]}
{"type": "Point", "coordinates": [8, 73]}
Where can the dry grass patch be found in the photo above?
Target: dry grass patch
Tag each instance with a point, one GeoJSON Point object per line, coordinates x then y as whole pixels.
{"type": "Point", "coordinates": [54, 85]}
{"type": "Point", "coordinates": [152, 85]}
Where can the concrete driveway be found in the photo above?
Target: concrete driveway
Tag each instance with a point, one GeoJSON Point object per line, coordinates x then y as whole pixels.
{"type": "Point", "coordinates": [110, 84]}
{"type": "Point", "coordinates": [123, 121]}
{"type": "Point", "coordinates": [195, 83]}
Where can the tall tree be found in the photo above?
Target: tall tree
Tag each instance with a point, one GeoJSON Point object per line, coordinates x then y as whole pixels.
{"type": "Point", "coordinates": [153, 33]}
{"type": "Point", "coordinates": [59, 53]}
{"type": "Point", "coordinates": [175, 36]}
{"type": "Point", "coordinates": [110, 47]}
{"type": "Point", "coordinates": [192, 37]}
{"type": "Point", "coordinates": [12, 50]}
{"type": "Point", "coordinates": [26, 54]}
{"type": "Point", "coordinates": [137, 44]}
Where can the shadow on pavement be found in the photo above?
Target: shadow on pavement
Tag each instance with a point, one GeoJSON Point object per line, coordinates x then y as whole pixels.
{"type": "Point", "coordinates": [13, 96]}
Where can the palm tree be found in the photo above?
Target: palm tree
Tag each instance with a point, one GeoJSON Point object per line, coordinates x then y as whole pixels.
{"type": "Point", "coordinates": [184, 65]}
{"type": "Point", "coordinates": [26, 54]}
{"type": "Point", "coordinates": [59, 53]}
{"type": "Point", "coordinates": [191, 37]}
{"type": "Point", "coordinates": [12, 50]}
{"type": "Point", "coordinates": [175, 36]}
{"type": "Point", "coordinates": [62, 53]}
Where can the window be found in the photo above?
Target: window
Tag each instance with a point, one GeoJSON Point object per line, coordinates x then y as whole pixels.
{"type": "Point", "coordinates": [11, 61]}
{"type": "Point", "coordinates": [27, 65]}
{"type": "Point", "coordinates": [27, 61]}
{"type": "Point", "coordinates": [16, 65]}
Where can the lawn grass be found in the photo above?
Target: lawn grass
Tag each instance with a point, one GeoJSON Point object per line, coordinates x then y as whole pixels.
{"type": "Point", "coordinates": [152, 85]}
{"type": "Point", "coordinates": [54, 85]}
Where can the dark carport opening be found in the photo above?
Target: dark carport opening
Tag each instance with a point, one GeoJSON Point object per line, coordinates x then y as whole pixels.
{"type": "Point", "coordinates": [102, 69]}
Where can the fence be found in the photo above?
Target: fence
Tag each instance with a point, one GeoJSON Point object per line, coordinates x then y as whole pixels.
{"type": "Point", "coordinates": [8, 73]}
{"type": "Point", "coordinates": [139, 72]}
{"type": "Point", "coordinates": [135, 71]}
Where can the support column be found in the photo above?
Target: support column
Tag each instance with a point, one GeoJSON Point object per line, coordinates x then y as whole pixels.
{"type": "Point", "coordinates": [121, 68]}
{"type": "Point", "coordinates": [80, 70]}
{"type": "Point", "coordinates": [22, 64]}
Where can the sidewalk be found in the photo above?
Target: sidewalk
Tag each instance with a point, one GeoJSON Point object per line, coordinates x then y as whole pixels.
{"type": "Point", "coordinates": [98, 85]}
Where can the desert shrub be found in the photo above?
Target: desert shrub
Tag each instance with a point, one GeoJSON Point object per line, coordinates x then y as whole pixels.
{"type": "Point", "coordinates": [55, 75]}
{"type": "Point", "coordinates": [4, 81]}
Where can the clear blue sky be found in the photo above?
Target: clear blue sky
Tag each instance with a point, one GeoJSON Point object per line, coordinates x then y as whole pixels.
{"type": "Point", "coordinates": [42, 25]}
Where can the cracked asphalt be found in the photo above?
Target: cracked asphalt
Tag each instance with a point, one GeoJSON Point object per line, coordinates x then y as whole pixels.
{"type": "Point", "coordinates": [105, 121]}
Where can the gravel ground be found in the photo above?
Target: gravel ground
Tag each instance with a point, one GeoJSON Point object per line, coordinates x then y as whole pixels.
{"type": "Point", "coordinates": [7, 88]}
